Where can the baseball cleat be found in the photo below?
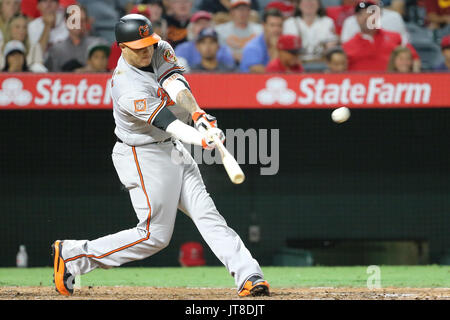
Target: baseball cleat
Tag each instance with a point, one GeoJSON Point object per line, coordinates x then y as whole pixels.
{"type": "Point", "coordinates": [255, 287]}
{"type": "Point", "coordinates": [62, 279]}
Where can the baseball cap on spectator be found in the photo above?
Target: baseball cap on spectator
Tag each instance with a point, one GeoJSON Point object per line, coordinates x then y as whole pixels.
{"type": "Point", "coordinates": [235, 3]}
{"type": "Point", "coordinates": [207, 32]}
{"type": "Point", "coordinates": [445, 42]}
{"type": "Point", "coordinates": [201, 15]}
{"type": "Point", "coordinates": [363, 5]}
{"type": "Point", "coordinates": [290, 43]}
{"type": "Point", "coordinates": [286, 9]}
{"type": "Point", "coordinates": [13, 46]}
{"type": "Point", "coordinates": [191, 254]}
{"type": "Point", "coordinates": [98, 46]}
{"type": "Point", "coordinates": [141, 9]}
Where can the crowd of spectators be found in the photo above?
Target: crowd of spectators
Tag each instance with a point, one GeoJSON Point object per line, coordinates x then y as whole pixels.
{"type": "Point", "coordinates": [249, 36]}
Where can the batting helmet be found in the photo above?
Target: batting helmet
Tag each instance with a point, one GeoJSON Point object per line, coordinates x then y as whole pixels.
{"type": "Point", "coordinates": [135, 31]}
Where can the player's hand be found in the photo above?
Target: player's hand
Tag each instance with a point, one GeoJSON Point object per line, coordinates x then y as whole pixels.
{"type": "Point", "coordinates": [203, 121]}
{"type": "Point", "coordinates": [208, 141]}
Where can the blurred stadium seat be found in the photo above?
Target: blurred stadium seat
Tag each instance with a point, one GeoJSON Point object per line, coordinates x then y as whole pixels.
{"type": "Point", "coordinates": [423, 41]}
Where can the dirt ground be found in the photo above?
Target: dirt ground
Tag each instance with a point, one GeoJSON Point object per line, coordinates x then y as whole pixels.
{"type": "Point", "coordinates": [152, 293]}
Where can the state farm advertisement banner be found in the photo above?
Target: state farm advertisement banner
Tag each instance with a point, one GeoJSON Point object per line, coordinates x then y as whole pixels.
{"type": "Point", "coordinates": [233, 91]}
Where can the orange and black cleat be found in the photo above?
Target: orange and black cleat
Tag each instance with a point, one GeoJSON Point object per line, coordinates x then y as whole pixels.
{"type": "Point", "coordinates": [256, 287]}
{"type": "Point", "coordinates": [63, 280]}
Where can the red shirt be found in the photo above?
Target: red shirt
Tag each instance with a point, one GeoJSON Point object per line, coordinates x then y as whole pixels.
{"type": "Point", "coordinates": [339, 14]}
{"type": "Point", "coordinates": [114, 56]}
{"type": "Point", "coordinates": [276, 66]}
{"type": "Point", "coordinates": [365, 53]}
{"type": "Point", "coordinates": [29, 7]}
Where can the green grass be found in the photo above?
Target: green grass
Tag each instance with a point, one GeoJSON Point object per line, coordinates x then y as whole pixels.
{"type": "Point", "coordinates": [218, 277]}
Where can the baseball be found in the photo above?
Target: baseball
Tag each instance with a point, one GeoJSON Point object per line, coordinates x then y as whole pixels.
{"type": "Point", "coordinates": [340, 115]}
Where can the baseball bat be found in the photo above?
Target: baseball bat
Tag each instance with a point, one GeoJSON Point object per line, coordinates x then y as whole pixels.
{"type": "Point", "coordinates": [233, 169]}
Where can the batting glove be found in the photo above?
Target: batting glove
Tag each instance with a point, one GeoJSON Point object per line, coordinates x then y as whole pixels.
{"type": "Point", "coordinates": [208, 141]}
{"type": "Point", "coordinates": [204, 121]}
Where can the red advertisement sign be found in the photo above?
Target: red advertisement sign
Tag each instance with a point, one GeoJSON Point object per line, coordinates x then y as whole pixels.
{"type": "Point", "coordinates": [233, 91]}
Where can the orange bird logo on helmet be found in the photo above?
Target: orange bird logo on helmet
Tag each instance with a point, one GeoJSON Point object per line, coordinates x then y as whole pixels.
{"type": "Point", "coordinates": [144, 31]}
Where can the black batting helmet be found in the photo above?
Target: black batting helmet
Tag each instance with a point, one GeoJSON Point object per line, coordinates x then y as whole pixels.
{"type": "Point", "coordinates": [135, 31]}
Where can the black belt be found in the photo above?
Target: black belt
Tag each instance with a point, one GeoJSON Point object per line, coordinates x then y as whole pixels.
{"type": "Point", "coordinates": [168, 139]}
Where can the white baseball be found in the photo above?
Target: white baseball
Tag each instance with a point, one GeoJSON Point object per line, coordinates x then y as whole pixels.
{"type": "Point", "coordinates": [340, 115]}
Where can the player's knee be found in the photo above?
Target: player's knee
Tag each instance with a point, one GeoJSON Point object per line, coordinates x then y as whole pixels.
{"type": "Point", "coordinates": [160, 243]}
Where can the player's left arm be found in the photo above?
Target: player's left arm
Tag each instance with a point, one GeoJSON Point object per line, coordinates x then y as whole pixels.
{"type": "Point", "coordinates": [171, 79]}
{"type": "Point", "coordinates": [179, 91]}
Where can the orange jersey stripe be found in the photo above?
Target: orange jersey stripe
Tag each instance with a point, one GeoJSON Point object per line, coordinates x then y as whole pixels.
{"type": "Point", "coordinates": [147, 227]}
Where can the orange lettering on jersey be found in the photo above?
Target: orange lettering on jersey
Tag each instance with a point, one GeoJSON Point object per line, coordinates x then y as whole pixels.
{"type": "Point", "coordinates": [140, 105]}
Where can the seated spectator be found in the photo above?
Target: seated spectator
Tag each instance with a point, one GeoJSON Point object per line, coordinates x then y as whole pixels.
{"type": "Point", "coordinates": [208, 45]}
{"type": "Point", "coordinates": [401, 60]}
{"type": "Point", "coordinates": [287, 8]}
{"type": "Point", "coordinates": [438, 13]}
{"type": "Point", "coordinates": [445, 47]}
{"type": "Point", "coordinates": [288, 60]}
{"type": "Point", "coordinates": [50, 27]}
{"type": "Point", "coordinates": [71, 53]}
{"type": "Point", "coordinates": [263, 48]}
{"type": "Point", "coordinates": [17, 30]}
{"type": "Point", "coordinates": [105, 14]}
{"type": "Point", "coordinates": [340, 13]}
{"type": "Point", "coordinates": [97, 59]}
{"type": "Point", "coordinates": [371, 48]}
{"type": "Point", "coordinates": [178, 21]}
{"type": "Point", "coordinates": [314, 28]}
{"type": "Point", "coordinates": [8, 8]}
{"type": "Point", "coordinates": [188, 50]}
{"type": "Point", "coordinates": [221, 8]}
{"type": "Point", "coordinates": [199, 20]}
{"type": "Point", "coordinates": [336, 60]}
{"type": "Point", "coordinates": [389, 20]}
{"type": "Point", "coordinates": [14, 55]}
{"type": "Point", "coordinates": [239, 31]}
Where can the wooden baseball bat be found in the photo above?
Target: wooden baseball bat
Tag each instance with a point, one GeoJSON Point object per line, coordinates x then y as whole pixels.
{"type": "Point", "coordinates": [233, 169]}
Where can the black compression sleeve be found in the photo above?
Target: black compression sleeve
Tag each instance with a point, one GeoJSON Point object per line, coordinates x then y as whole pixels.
{"type": "Point", "coordinates": [164, 118]}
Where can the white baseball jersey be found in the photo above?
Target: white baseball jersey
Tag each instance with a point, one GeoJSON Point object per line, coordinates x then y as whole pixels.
{"type": "Point", "coordinates": [138, 97]}
{"type": "Point", "coordinates": [158, 186]}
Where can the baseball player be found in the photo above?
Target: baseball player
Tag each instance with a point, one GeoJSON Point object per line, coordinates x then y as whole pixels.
{"type": "Point", "coordinates": [152, 103]}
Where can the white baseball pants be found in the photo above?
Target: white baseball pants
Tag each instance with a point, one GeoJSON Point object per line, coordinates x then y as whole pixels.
{"type": "Point", "coordinates": [158, 185]}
